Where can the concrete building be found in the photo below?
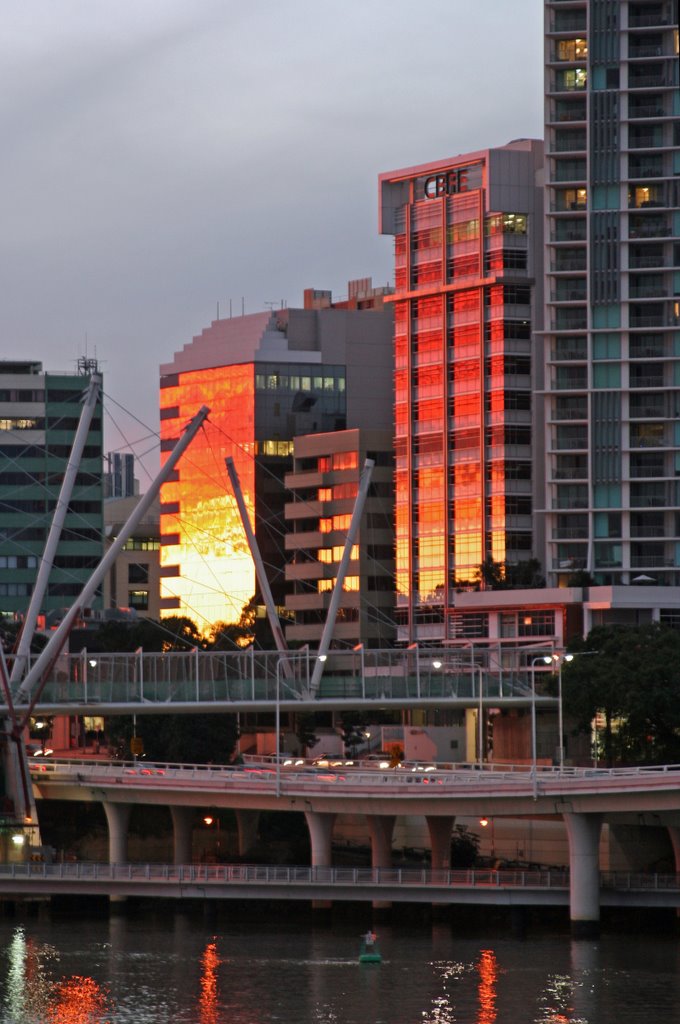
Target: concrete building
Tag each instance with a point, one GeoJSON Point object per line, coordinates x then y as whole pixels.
{"type": "Point", "coordinates": [119, 478]}
{"type": "Point", "coordinates": [468, 250]}
{"type": "Point", "coordinates": [611, 496]}
{"type": "Point", "coordinates": [134, 579]}
{"type": "Point", "coordinates": [323, 487]}
{"type": "Point", "coordinates": [39, 416]}
{"type": "Point", "coordinates": [267, 377]}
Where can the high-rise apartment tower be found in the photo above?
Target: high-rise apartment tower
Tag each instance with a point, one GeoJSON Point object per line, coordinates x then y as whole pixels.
{"type": "Point", "coordinates": [612, 320]}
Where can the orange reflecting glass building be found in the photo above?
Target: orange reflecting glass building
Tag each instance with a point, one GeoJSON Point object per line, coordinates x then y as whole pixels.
{"type": "Point", "coordinates": [467, 265]}
{"type": "Point", "coordinates": [266, 378]}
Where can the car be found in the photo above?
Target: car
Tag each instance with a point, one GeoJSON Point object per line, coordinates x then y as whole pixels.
{"type": "Point", "coordinates": [34, 748]}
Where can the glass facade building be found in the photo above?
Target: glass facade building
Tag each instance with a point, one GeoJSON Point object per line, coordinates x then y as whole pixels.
{"type": "Point", "coordinates": [612, 315]}
{"type": "Point", "coordinates": [467, 289]}
{"type": "Point", "coordinates": [266, 378]}
{"type": "Point", "coordinates": [39, 416]}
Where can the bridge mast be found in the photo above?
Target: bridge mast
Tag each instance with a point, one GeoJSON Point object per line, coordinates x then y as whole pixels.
{"type": "Point", "coordinates": [334, 604]}
{"type": "Point", "coordinates": [34, 681]}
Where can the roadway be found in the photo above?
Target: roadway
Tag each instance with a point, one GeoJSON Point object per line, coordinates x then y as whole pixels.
{"type": "Point", "coordinates": [365, 787]}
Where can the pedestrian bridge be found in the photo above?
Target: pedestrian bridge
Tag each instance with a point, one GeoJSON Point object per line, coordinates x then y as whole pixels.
{"type": "Point", "coordinates": [281, 882]}
{"type": "Point", "coordinates": [184, 681]}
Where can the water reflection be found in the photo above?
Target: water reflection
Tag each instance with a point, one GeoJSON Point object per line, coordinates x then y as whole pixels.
{"type": "Point", "coordinates": [153, 970]}
{"type": "Point", "coordinates": [488, 976]}
{"type": "Point", "coordinates": [79, 1001]}
{"type": "Point", "coordinates": [28, 986]}
{"type": "Point", "coordinates": [207, 1002]}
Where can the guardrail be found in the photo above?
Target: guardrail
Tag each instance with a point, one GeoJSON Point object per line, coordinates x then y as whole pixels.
{"type": "Point", "coordinates": [256, 769]}
{"type": "Point", "coordinates": [258, 875]}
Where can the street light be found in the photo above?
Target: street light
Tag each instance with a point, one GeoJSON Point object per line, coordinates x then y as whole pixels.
{"type": "Point", "coordinates": [547, 660]}
{"type": "Point", "coordinates": [560, 658]}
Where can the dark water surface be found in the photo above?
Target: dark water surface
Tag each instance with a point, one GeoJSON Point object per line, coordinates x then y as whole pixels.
{"type": "Point", "coordinates": [180, 969]}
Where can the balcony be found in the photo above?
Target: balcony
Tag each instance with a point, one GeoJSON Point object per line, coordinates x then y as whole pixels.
{"type": "Point", "coordinates": [640, 110]}
{"type": "Point", "coordinates": [646, 261]}
{"type": "Point", "coordinates": [647, 19]}
{"type": "Point", "coordinates": [651, 229]}
{"type": "Point", "coordinates": [569, 142]}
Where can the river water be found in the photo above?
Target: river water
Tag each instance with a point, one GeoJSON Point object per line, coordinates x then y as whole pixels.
{"type": "Point", "coordinates": [265, 967]}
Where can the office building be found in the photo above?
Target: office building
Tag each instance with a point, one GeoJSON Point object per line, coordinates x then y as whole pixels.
{"type": "Point", "coordinates": [611, 495]}
{"type": "Point", "coordinates": [468, 277]}
{"type": "Point", "coordinates": [323, 487]}
{"type": "Point", "coordinates": [133, 581]}
{"type": "Point", "coordinates": [39, 416]}
{"type": "Point", "coordinates": [267, 378]}
{"type": "Point", "coordinates": [119, 478]}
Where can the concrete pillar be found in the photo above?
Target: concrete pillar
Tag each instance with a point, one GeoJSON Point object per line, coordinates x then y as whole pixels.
{"type": "Point", "coordinates": [380, 829]}
{"type": "Point", "coordinates": [583, 831]}
{"type": "Point", "coordinates": [320, 833]}
{"type": "Point", "coordinates": [440, 830]}
{"type": "Point", "coordinates": [182, 829]}
{"type": "Point", "coordinates": [246, 824]}
{"type": "Point", "coordinates": [117, 819]}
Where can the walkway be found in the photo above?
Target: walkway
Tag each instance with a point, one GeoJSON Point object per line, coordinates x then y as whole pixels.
{"type": "Point", "coordinates": [177, 682]}
{"type": "Point", "coordinates": [268, 882]}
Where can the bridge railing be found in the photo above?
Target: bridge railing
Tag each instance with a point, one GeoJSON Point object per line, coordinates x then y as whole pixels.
{"type": "Point", "coordinates": [266, 676]}
{"type": "Point", "coordinates": [277, 874]}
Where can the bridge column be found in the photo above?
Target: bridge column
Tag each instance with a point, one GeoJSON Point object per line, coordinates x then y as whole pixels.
{"type": "Point", "coordinates": [182, 821]}
{"type": "Point", "coordinates": [440, 830]}
{"type": "Point", "coordinates": [246, 824]}
{"type": "Point", "coordinates": [380, 829]}
{"type": "Point", "coordinates": [117, 818]}
{"type": "Point", "coordinates": [674, 834]}
{"type": "Point", "coordinates": [583, 831]}
{"type": "Point", "coordinates": [320, 832]}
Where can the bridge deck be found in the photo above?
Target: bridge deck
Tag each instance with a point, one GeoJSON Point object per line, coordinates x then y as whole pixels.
{"type": "Point", "coordinates": [243, 881]}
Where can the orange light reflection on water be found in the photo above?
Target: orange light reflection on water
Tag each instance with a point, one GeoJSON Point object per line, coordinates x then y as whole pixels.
{"type": "Point", "coordinates": [79, 1001]}
{"type": "Point", "coordinates": [488, 976]}
{"type": "Point", "coordinates": [207, 1003]}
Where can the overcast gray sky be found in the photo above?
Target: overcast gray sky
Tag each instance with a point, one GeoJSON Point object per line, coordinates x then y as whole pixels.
{"type": "Point", "coordinates": [161, 156]}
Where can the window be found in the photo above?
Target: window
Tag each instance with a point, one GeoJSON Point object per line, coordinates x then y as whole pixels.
{"type": "Point", "coordinates": [138, 572]}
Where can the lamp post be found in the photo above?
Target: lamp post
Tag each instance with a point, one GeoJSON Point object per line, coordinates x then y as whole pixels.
{"type": "Point", "coordinates": [560, 658]}
{"type": "Point", "coordinates": [480, 721]}
{"type": "Point", "coordinates": [277, 726]}
{"type": "Point", "coordinates": [547, 660]}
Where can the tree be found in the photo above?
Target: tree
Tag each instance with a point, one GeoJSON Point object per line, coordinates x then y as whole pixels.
{"type": "Point", "coordinates": [630, 676]}
{"type": "Point", "coordinates": [491, 574]}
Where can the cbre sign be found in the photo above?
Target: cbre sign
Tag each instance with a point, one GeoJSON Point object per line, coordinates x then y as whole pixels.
{"type": "Point", "coordinates": [450, 183]}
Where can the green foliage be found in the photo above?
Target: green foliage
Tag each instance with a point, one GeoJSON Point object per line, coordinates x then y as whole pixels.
{"type": "Point", "coordinates": [493, 575]}
{"type": "Point", "coordinates": [630, 675]}
{"type": "Point", "coordinates": [190, 739]}
{"type": "Point", "coordinates": [305, 731]}
{"type": "Point", "coordinates": [464, 848]}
